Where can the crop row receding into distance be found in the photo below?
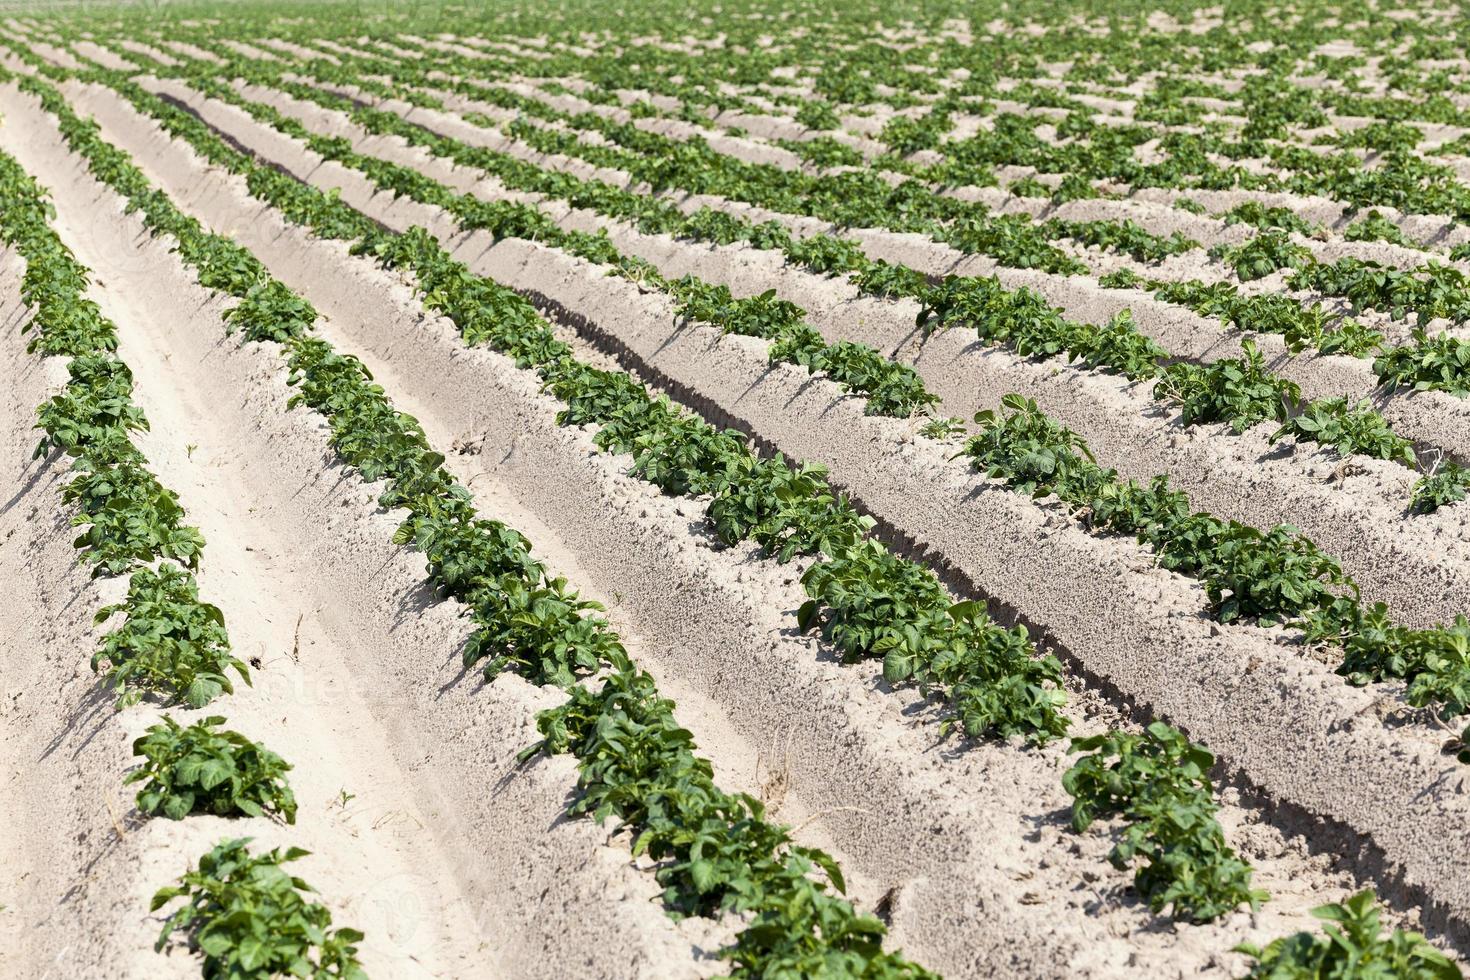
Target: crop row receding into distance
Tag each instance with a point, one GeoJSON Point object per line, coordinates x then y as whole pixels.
{"type": "Point", "coordinates": [931, 652]}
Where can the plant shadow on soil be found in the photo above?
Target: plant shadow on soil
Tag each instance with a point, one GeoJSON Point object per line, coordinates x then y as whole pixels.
{"type": "Point", "coordinates": [113, 838]}
{"type": "Point", "coordinates": [925, 711]}
{"type": "Point", "coordinates": [1120, 896]}
{"type": "Point", "coordinates": [31, 478]}
{"type": "Point", "coordinates": [90, 714]}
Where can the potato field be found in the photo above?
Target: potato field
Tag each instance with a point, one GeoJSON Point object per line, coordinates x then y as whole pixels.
{"type": "Point", "coordinates": [638, 489]}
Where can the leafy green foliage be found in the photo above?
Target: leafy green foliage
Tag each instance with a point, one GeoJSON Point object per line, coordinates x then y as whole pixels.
{"type": "Point", "coordinates": [1352, 944]}
{"type": "Point", "coordinates": [200, 769]}
{"type": "Point", "coordinates": [1265, 218]}
{"type": "Point", "coordinates": [548, 633]}
{"type": "Point", "coordinates": [1127, 237]}
{"type": "Point", "coordinates": [1430, 291]}
{"type": "Point", "coordinates": [904, 135]}
{"type": "Point", "coordinates": [169, 642]}
{"type": "Point", "coordinates": [250, 917]}
{"type": "Point", "coordinates": [869, 604]}
{"type": "Point", "coordinates": [1013, 239]}
{"type": "Point", "coordinates": [1159, 782]}
{"type": "Point", "coordinates": [816, 114]}
{"type": "Point", "coordinates": [787, 510]}
{"type": "Point", "coordinates": [889, 388]}
{"type": "Point", "coordinates": [271, 311]}
{"type": "Point", "coordinates": [1435, 660]}
{"type": "Point", "coordinates": [826, 254]}
{"type": "Point", "coordinates": [1124, 278]}
{"type": "Point", "coordinates": [1445, 484]}
{"type": "Point", "coordinates": [823, 151]}
{"type": "Point", "coordinates": [1262, 255]}
{"type": "Point", "coordinates": [1374, 227]}
{"type": "Point", "coordinates": [1271, 576]}
{"type": "Point", "coordinates": [63, 320]}
{"type": "Point", "coordinates": [1351, 338]}
{"type": "Point", "coordinates": [130, 518]}
{"type": "Point", "coordinates": [1349, 429]}
{"type": "Point", "coordinates": [1440, 363]}
{"type": "Point", "coordinates": [713, 851]}
{"type": "Point", "coordinates": [1386, 136]}
{"type": "Point", "coordinates": [892, 389]}
{"type": "Point", "coordinates": [1028, 186]}
{"type": "Point", "coordinates": [1240, 391]}
{"type": "Point", "coordinates": [1023, 321]}
{"type": "Point", "coordinates": [1032, 452]}
{"type": "Point", "coordinates": [942, 429]}
{"type": "Point", "coordinates": [94, 416]}
{"type": "Point", "coordinates": [1300, 326]}
{"type": "Point", "coordinates": [890, 281]}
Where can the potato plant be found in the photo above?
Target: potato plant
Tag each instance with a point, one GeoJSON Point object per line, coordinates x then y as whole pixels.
{"type": "Point", "coordinates": [1351, 943]}
{"type": "Point", "coordinates": [202, 769]}
{"type": "Point", "coordinates": [1158, 781]}
{"type": "Point", "coordinates": [253, 919]}
{"type": "Point", "coordinates": [1092, 346]}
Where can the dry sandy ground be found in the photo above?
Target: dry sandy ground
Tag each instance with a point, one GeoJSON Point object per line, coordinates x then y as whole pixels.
{"type": "Point", "coordinates": [459, 864]}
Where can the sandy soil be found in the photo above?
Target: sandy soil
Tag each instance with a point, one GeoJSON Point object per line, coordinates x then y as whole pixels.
{"type": "Point", "coordinates": [457, 862]}
{"type": "Point", "coordinates": [1357, 517]}
{"type": "Point", "coordinates": [1337, 698]}
{"type": "Point", "coordinates": [1251, 483]}
{"type": "Point", "coordinates": [1430, 418]}
{"type": "Point", "coordinates": [406, 858]}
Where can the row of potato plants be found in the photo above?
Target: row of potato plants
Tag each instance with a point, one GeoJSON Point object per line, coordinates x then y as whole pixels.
{"type": "Point", "coordinates": [1013, 239]}
{"type": "Point", "coordinates": [1300, 948]}
{"type": "Point", "coordinates": [866, 602]}
{"type": "Point", "coordinates": [890, 388]}
{"type": "Point", "coordinates": [1005, 236]}
{"type": "Point", "coordinates": [1271, 576]}
{"type": "Point", "coordinates": [971, 159]}
{"type": "Point", "coordinates": [848, 74]}
{"type": "Point", "coordinates": [816, 517]}
{"type": "Point", "coordinates": [1103, 153]}
{"type": "Point", "coordinates": [1436, 675]}
{"type": "Point", "coordinates": [1429, 363]}
{"type": "Point", "coordinates": [852, 62]}
{"type": "Point", "coordinates": [1267, 111]}
{"type": "Point", "coordinates": [622, 69]}
{"type": "Point", "coordinates": [1207, 395]}
{"type": "Point", "coordinates": [1439, 291]}
{"type": "Point", "coordinates": [1121, 234]}
{"type": "Point", "coordinates": [1201, 839]}
{"type": "Point", "coordinates": [1277, 576]}
{"type": "Point", "coordinates": [851, 197]}
{"type": "Point", "coordinates": [1431, 292]}
{"type": "Point", "coordinates": [903, 134]}
{"type": "Point", "coordinates": [1332, 343]}
{"type": "Point", "coordinates": [1125, 236]}
{"type": "Point", "coordinates": [1018, 319]}
{"type": "Point", "coordinates": [715, 851]}
{"type": "Point", "coordinates": [1087, 141]}
{"type": "Point", "coordinates": [247, 916]}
